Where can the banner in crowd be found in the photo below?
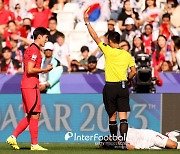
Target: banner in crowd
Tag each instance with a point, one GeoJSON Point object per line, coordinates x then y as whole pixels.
{"type": "Point", "coordinates": [76, 117]}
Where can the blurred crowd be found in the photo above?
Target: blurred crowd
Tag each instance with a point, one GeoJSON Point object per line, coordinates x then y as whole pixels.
{"type": "Point", "coordinates": [146, 26]}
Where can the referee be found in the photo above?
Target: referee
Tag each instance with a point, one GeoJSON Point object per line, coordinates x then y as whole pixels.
{"type": "Point", "coordinates": [115, 92]}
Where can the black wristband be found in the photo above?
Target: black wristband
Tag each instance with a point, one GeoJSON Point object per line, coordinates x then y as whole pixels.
{"type": "Point", "coordinates": [87, 23]}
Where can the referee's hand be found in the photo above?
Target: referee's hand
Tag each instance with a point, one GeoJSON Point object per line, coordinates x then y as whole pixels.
{"type": "Point", "coordinates": [86, 17]}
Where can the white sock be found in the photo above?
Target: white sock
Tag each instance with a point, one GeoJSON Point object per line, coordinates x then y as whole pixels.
{"type": "Point", "coordinates": [178, 146]}
{"type": "Point", "coordinates": [13, 137]}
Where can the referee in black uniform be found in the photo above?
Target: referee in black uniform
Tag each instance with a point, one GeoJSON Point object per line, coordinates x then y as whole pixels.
{"type": "Point", "coordinates": [115, 92]}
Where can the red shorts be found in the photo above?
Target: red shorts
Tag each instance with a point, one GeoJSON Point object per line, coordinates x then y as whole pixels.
{"type": "Point", "coordinates": [31, 100]}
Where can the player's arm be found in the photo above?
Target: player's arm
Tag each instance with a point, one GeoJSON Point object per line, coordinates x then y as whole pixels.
{"type": "Point", "coordinates": [90, 29]}
{"type": "Point", "coordinates": [32, 70]}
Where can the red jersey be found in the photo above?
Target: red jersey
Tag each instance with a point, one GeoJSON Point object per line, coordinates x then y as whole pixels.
{"type": "Point", "coordinates": [32, 54]}
{"type": "Point", "coordinates": [156, 62]}
{"type": "Point", "coordinates": [5, 16]}
{"type": "Point", "coordinates": [40, 19]}
{"type": "Point", "coordinates": [147, 41]}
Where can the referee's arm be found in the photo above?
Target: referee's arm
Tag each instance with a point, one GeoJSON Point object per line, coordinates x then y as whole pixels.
{"type": "Point", "coordinates": [91, 30]}
{"type": "Point", "coordinates": [132, 72]}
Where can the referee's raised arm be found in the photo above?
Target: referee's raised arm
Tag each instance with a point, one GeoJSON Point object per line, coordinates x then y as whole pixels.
{"type": "Point", "coordinates": [90, 29]}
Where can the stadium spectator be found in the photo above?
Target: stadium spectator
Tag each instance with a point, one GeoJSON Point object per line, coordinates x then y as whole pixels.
{"type": "Point", "coordinates": [61, 52]}
{"type": "Point", "coordinates": [158, 55]}
{"type": "Point", "coordinates": [51, 3]}
{"type": "Point", "coordinates": [92, 65]}
{"type": "Point", "coordinates": [111, 26]}
{"type": "Point", "coordinates": [127, 12]}
{"type": "Point", "coordinates": [124, 44]}
{"type": "Point", "coordinates": [19, 14]}
{"type": "Point", "coordinates": [170, 6]}
{"type": "Point", "coordinates": [137, 5]}
{"type": "Point", "coordinates": [97, 51]}
{"type": "Point", "coordinates": [17, 53]}
{"type": "Point", "coordinates": [175, 14]}
{"type": "Point", "coordinates": [116, 77]}
{"type": "Point", "coordinates": [138, 47]}
{"type": "Point", "coordinates": [115, 8]}
{"type": "Point", "coordinates": [5, 15]}
{"type": "Point", "coordinates": [148, 39]}
{"type": "Point", "coordinates": [50, 81]}
{"type": "Point", "coordinates": [164, 48]}
{"type": "Point", "coordinates": [27, 25]}
{"type": "Point", "coordinates": [52, 25]}
{"type": "Point", "coordinates": [166, 29]}
{"type": "Point", "coordinates": [129, 33]}
{"type": "Point", "coordinates": [166, 66]}
{"type": "Point", "coordinates": [176, 46]}
{"type": "Point", "coordinates": [25, 4]}
{"type": "Point", "coordinates": [151, 15]}
{"type": "Point", "coordinates": [85, 55]}
{"type": "Point", "coordinates": [40, 15]}
{"type": "Point", "coordinates": [7, 33]}
{"type": "Point", "coordinates": [58, 6]}
{"type": "Point", "coordinates": [8, 64]}
{"type": "Point", "coordinates": [75, 65]}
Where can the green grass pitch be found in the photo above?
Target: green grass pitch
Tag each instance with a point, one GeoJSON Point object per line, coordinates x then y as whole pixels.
{"type": "Point", "coordinates": [77, 148]}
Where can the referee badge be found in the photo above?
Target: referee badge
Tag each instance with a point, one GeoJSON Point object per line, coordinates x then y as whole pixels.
{"type": "Point", "coordinates": [33, 57]}
{"type": "Point", "coordinates": [104, 44]}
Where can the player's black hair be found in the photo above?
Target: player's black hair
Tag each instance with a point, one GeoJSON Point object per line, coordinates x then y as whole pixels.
{"type": "Point", "coordinates": [53, 18]}
{"type": "Point", "coordinates": [84, 48]}
{"type": "Point", "coordinates": [40, 31]}
{"type": "Point", "coordinates": [114, 37]}
{"type": "Point", "coordinates": [166, 15]}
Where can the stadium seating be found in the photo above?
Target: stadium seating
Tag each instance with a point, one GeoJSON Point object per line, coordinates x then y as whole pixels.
{"type": "Point", "coordinates": [71, 7]}
{"type": "Point", "coordinates": [65, 16]}
{"type": "Point", "coordinates": [76, 40]}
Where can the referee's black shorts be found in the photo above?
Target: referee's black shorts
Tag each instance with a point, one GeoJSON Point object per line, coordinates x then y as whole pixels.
{"type": "Point", "coordinates": [116, 97]}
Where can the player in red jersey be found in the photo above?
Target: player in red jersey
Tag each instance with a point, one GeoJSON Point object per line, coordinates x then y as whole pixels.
{"type": "Point", "coordinates": [30, 90]}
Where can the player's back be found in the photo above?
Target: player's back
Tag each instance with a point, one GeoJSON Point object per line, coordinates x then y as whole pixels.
{"type": "Point", "coordinates": [140, 138]}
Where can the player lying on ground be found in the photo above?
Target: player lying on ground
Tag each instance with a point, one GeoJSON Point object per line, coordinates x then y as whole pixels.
{"type": "Point", "coordinates": [147, 139]}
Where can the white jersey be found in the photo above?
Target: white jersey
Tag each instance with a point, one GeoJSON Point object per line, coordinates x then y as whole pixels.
{"type": "Point", "coordinates": [145, 138]}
